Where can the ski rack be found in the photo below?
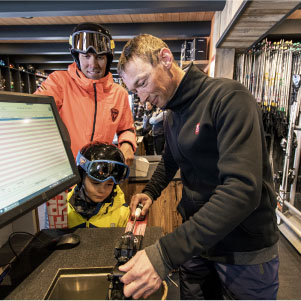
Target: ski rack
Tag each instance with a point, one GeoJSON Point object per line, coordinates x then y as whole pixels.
{"type": "Point", "coordinates": [268, 71]}
{"type": "Point", "coordinates": [286, 211]}
{"type": "Point", "coordinates": [126, 247]}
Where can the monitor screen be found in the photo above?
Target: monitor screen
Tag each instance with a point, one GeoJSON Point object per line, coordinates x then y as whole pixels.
{"type": "Point", "coordinates": [36, 159]}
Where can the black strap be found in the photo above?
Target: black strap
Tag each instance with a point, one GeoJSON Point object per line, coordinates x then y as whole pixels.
{"type": "Point", "coordinates": [95, 112]}
{"type": "Point", "coordinates": [129, 144]}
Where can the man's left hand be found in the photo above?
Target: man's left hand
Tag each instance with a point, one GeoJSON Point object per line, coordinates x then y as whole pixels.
{"type": "Point", "coordinates": [128, 153]}
{"type": "Point", "coordinates": [141, 279]}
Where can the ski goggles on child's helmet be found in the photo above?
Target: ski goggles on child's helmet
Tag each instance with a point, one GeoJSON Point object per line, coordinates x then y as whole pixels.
{"type": "Point", "coordinates": [103, 170]}
{"type": "Point", "coordinates": [83, 41]}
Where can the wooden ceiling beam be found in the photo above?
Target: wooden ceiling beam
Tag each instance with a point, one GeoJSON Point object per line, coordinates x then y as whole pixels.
{"type": "Point", "coordinates": [164, 30]}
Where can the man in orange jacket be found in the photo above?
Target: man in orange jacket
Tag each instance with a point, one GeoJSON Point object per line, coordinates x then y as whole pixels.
{"type": "Point", "coordinates": [90, 104]}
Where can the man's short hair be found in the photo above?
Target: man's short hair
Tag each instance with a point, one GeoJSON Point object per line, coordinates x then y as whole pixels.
{"type": "Point", "coordinates": [144, 46]}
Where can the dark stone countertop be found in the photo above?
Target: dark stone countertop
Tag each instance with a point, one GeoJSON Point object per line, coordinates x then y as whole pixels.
{"type": "Point", "coordinates": [96, 249]}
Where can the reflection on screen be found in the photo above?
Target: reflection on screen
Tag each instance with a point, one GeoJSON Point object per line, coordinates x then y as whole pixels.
{"type": "Point", "coordinates": [33, 157]}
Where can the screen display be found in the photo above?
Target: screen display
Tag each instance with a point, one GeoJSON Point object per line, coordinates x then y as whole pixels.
{"type": "Point", "coordinates": [33, 156]}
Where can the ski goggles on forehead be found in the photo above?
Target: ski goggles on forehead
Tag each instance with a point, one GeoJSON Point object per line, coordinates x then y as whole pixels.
{"type": "Point", "coordinates": [103, 170]}
{"type": "Point", "coordinates": [83, 41]}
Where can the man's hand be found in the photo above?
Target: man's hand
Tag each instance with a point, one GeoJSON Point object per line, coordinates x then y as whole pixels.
{"type": "Point", "coordinates": [142, 198]}
{"type": "Point", "coordinates": [128, 153]}
{"type": "Point", "coordinates": [141, 279]}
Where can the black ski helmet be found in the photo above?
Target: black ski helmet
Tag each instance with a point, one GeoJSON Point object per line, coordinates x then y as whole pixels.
{"type": "Point", "coordinates": [91, 36]}
{"type": "Point", "coordinates": [107, 152]}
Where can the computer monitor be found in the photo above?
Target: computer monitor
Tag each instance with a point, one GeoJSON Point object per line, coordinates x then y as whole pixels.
{"type": "Point", "coordinates": [36, 162]}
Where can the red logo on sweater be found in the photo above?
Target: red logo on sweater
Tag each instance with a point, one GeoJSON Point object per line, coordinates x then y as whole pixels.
{"type": "Point", "coordinates": [197, 129]}
{"type": "Point", "coordinates": [114, 114]}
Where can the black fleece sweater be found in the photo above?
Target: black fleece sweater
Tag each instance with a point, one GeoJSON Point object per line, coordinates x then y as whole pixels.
{"type": "Point", "coordinates": [214, 134]}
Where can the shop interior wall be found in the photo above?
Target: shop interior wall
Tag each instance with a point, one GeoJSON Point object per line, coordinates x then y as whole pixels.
{"type": "Point", "coordinates": [217, 59]}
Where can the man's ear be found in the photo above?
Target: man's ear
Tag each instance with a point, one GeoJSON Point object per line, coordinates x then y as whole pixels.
{"type": "Point", "coordinates": [166, 57]}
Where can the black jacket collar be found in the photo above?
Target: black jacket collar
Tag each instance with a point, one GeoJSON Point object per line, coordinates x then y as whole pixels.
{"type": "Point", "coordinates": [188, 89]}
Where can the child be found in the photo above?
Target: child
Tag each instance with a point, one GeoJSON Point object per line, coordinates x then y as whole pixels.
{"type": "Point", "coordinates": [98, 201]}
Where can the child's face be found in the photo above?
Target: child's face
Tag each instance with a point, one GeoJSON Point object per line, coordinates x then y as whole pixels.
{"type": "Point", "coordinates": [97, 191]}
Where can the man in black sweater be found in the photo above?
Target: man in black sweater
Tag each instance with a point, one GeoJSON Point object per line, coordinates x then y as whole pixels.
{"type": "Point", "coordinates": [227, 244]}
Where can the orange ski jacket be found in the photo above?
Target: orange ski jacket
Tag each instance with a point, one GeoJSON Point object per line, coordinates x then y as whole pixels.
{"type": "Point", "coordinates": [90, 109]}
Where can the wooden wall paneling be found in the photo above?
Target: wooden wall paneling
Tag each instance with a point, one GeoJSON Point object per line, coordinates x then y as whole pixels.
{"type": "Point", "coordinates": [104, 19]}
{"type": "Point", "coordinates": [295, 15]}
{"type": "Point", "coordinates": [159, 17]}
{"type": "Point", "coordinates": [116, 19]}
{"type": "Point", "coordinates": [184, 17]}
{"type": "Point", "coordinates": [177, 218]}
{"type": "Point", "coordinates": [129, 189]}
{"type": "Point", "coordinates": [163, 213]}
{"type": "Point", "coordinates": [173, 17]}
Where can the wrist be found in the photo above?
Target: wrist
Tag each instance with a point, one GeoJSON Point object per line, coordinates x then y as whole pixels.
{"type": "Point", "coordinates": [149, 195]}
{"type": "Point", "coordinates": [129, 144]}
{"type": "Point", "coordinates": [155, 256]}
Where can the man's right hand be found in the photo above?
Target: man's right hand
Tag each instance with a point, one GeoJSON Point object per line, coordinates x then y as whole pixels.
{"type": "Point", "coordinates": [142, 198]}
{"type": "Point", "coordinates": [140, 279]}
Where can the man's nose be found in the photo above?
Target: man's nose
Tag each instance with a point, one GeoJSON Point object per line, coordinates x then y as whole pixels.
{"type": "Point", "coordinates": [93, 61]}
{"type": "Point", "coordinates": [142, 96]}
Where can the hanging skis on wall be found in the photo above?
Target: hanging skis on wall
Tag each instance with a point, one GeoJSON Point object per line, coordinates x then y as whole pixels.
{"type": "Point", "coordinates": [290, 144]}
{"type": "Point", "coordinates": [272, 72]}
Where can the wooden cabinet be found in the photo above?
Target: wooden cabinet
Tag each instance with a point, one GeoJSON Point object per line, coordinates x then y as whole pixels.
{"type": "Point", "coordinates": [15, 78]}
{"type": "Point", "coordinates": [163, 212]}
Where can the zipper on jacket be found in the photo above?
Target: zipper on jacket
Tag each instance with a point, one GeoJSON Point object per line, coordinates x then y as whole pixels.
{"type": "Point", "coordinates": [95, 111]}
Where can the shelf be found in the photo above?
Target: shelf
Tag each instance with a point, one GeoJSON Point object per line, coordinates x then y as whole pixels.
{"type": "Point", "coordinates": [40, 75]}
{"type": "Point", "coordinates": [200, 63]}
{"type": "Point", "coordinates": [21, 71]}
{"type": "Point", "coordinates": [21, 80]}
